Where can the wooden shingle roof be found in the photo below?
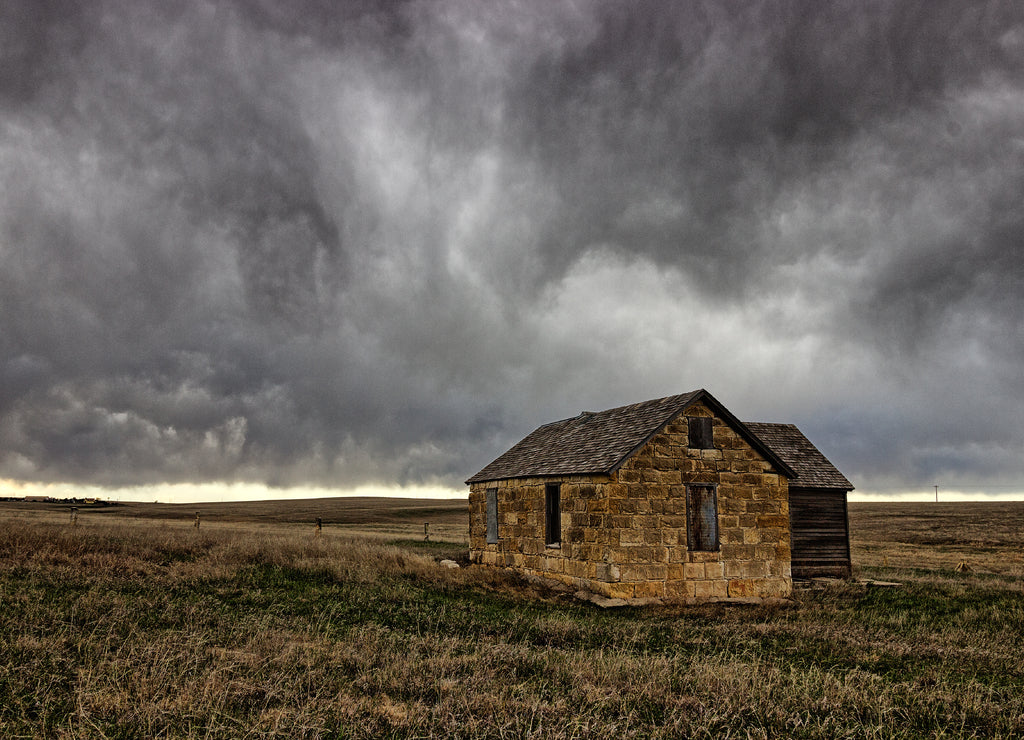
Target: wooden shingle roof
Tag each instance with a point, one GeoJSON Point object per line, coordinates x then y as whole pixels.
{"type": "Point", "coordinates": [599, 442]}
{"type": "Point", "coordinates": [813, 469]}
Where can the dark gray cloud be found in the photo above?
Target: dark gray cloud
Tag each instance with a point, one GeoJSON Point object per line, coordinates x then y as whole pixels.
{"type": "Point", "coordinates": [377, 242]}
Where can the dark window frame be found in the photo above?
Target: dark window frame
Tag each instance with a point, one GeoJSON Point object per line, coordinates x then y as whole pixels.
{"type": "Point", "coordinates": [700, 432]}
{"type": "Point", "coordinates": [491, 515]}
{"type": "Point", "coordinates": [699, 497]}
{"type": "Point", "coordinates": [553, 514]}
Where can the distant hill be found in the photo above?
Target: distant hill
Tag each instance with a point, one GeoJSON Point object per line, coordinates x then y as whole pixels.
{"type": "Point", "coordinates": [354, 510]}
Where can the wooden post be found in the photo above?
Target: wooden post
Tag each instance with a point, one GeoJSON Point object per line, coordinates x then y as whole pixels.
{"type": "Point", "coordinates": [197, 520]}
{"type": "Point", "coordinates": [74, 515]}
{"type": "Point", "coordinates": [426, 533]}
{"type": "Point", "coordinates": [319, 526]}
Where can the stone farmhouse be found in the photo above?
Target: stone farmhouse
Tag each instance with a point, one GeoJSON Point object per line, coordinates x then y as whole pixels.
{"type": "Point", "coordinates": [672, 499]}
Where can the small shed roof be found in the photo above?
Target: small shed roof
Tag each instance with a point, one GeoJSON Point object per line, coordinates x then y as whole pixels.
{"type": "Point", "coordinates": [813, 469]}
{"type": "Point", "coordinates": [600, 442]}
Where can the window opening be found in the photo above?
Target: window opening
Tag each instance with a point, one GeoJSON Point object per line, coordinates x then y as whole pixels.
{"type": "Point", "coordinates": [552, 514]}
{"type": "Point", "coordinates": [701, 433]}
{"type": "Point", "coordinates": [492, 515]}
{"type": "Point", "coordinates": [701, 517]}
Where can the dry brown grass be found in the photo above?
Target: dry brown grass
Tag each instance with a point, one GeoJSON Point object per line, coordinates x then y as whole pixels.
{"type": "Point", "coordinates": [984, 538]}
{"type": "Point", "coordinates": [131, 628]}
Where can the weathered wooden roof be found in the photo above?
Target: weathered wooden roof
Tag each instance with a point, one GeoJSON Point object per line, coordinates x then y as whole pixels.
{"type": "Point", "coordinates": [599, 442]}
{"type": "Point", "coordinates": [813, 469]}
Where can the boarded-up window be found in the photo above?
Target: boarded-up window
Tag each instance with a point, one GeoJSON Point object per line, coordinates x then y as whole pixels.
{"type": "Point", "coordinates": [701, 517]}
{"type": "Point", "coordinates": [492, 515]}
{"type": "Point", "coordinates": [552, 514]}
{"type": "Point", "coordinates": [700, 432]}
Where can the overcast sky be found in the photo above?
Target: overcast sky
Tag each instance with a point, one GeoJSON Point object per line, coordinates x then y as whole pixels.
{"type": "Point", "coordinates": [376, 243]}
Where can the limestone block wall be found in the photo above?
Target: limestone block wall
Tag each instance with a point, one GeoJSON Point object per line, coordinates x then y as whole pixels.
{"type": "Point", "coordinates": [647, 510]}
{"type": "Point", "coordinates": [521, 533]}
{"type": "Point", "coordinates": [625, 535]}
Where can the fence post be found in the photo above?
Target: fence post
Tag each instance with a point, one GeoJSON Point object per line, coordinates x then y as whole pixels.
{"type": "Point", "coordinates": [319, 526]}
{"type": "Point", "coordinates": [426, 533]}
{"type": "Point", "coordinates": [197, 520]}
{"type": "Point", "coordinates": [74, 515]}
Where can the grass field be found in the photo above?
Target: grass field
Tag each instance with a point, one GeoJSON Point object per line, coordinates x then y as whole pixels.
{"type": "Point", "coordinates": [135, 624]}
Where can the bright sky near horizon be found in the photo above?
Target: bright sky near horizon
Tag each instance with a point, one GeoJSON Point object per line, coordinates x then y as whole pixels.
{"type": "Point", "coordinates": [252, 249]}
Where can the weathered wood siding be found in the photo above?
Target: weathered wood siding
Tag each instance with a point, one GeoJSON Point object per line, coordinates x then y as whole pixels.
{"type": "Point", "coordinates": [820, 532]}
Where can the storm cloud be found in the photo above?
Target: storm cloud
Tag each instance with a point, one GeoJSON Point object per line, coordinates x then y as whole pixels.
{"type": "Point", "coordinates": [340, 243]}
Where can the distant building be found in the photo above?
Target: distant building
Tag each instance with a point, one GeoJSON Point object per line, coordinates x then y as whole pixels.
{"type": "Point", "coordinates": [672, 499]}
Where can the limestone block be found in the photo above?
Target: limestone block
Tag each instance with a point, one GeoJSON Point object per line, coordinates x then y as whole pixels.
{"type": "Point", "coordinates": [620, 590]}
{"type": "Point", "coordinates": [655, 489]}
{"type": "Point", "coordinates": [628, 475]}
{"type": "Point", "coordinates": [649, 589]}
{"type": "Point", "coordinates": [704, 589]}
{"type": "Point", "coordinates": [706, 557]}
{"type": "Point", "coordinates": [745, 493]}
{"type": "Point", "coordinates": [742, 588]}
{"type": "Point", "coordinates": [675, 521]}
{"type": "Point", "coordinates": [635, 506]}
{"type": "Point", "coordinates": [731, 536]}
{"type": "Point", "coordinates": [733, 569]}
{"type": "Point", "coordinates": [647, 521]}
{"type": "Point", "coordinates": [693, 571]}
{"type": "Point", "coordinates": [772, 520]}
{"type": "Point", "coordinates": [737, 552]}
{"type": "Point", "coordinates": [575, 568]}
{"type": "Point", "coordinates": [714, 570]}
{"type": "Point", "coordinates": [654, 571]}
{"type": "Point", "coordinates": [751, 536]}
{"type": "Point", "coordinates": [755, 569]}
{"type": "Point", "coordinates": [770, 536]}
{"type": "Point", "coordinates": [731, 506]}
{"type": "Point", "coordinates": [631, 537]}
{"type": "Point", "coordinates": [652, 536]}
{"type": "Point", "coordinates": [680, 589]}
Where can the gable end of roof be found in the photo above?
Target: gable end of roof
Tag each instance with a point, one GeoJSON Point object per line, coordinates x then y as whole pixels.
{"type": "Point", "coordinates": [601, 442]}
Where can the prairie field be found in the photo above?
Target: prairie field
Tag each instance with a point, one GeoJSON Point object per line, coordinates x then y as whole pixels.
{"type": "Point", "coordinates": [134, 623]}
